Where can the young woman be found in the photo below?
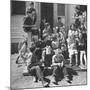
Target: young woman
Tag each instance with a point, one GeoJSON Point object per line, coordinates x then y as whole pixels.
{"type": "Point", "coordinates": [72, 49]}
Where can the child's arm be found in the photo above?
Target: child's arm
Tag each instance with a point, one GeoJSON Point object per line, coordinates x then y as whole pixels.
{"type": "Point", "coordinates": [53, 61]}
{"type": "Point", "coordinates": [43, 55]}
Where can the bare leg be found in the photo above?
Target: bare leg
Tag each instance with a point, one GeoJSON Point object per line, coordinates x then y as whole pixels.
{"type": "Point", "coordinates": [85, 58]}
{"type": "Point", "coordinates": [81, 55]}
{"type": "Point", "coordinates": [76, 55]}
{"type": "Point", "coordinates": [40, 76]}
{"type": "Point", "coordinates": [70, 60]}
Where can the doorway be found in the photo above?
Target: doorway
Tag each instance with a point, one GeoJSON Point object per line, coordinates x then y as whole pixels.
{"type": "Point", "coordinates": [47, 12]}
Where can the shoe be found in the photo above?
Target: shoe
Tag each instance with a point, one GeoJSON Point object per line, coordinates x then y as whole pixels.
{"type": "Point", "coordinates": [35, 80]}
{"type": "Point", "coordinates": [81, 67]}
{"type": "Point", "coordinates": [56, 83]}
{"type": "Point", "coordinates": [46, 85]}
{"type": "Point", "coordinates": [69, 81]}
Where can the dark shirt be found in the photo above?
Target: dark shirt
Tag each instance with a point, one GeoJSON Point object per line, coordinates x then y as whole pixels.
{"type": "Point", "coordinates": [49, 43]}
{"type": "Point", "coordinates": [35, 60]}
{"type": "Point", "coordinates": [60, 24]}
{"type": "Point", "coordinates": [42, 26]}
{"type": "Point", "coordinates": [40, 44]}
{"type": "Point", "coordinates": [27, 22]}
{"type": "Point", "coordinates": [30, 10]}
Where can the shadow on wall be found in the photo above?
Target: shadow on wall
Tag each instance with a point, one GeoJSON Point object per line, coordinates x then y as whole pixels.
{"type": "Point", "coordinates": [14, 48]}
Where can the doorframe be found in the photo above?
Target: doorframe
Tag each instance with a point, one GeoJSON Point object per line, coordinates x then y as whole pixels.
{"type": "Point", "coordinates": [52, 11]}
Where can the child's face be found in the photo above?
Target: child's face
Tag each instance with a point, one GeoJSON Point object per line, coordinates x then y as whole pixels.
{"type": "Point", "coordinates": [72, 27]}
{"type": "Point", "coordinates": [82, 25]}
{"type": "Point", "coordinates": [62, 48]}
{"type": "Point", "coordinates": [48, 37]}
{"type": "Point", "coordinates": [59, 20]}
{"type": "Point", "coordinates": [58, 51]}
{"type": "Point", "coordinates": [48, 27]}
{"type": "Point", "coordinates": [31, 6]}
{"type": "Point", "coordinates": [44, 20]}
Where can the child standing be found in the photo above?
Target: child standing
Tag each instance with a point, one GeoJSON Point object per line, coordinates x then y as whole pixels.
{"type": "Point", "coordinates": [82, 46]}
{"type": "Point", "coordinates": [72, 49]}
{"type": "Point", "coordinates": [57, 65]}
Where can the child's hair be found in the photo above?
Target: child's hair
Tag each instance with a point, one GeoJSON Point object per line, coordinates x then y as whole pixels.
{"type": "Point", "coordinates": [32, 49]}
{"type": "Point", "coordinates": [31, 3]}
{"type": "Point", "coordinates": [59, 18]}
{"type": "Point", "coordinates": [43, 18]}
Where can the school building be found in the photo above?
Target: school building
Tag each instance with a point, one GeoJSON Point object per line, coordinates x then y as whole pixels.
{"type": "Point", "coordinates": [50, 10]}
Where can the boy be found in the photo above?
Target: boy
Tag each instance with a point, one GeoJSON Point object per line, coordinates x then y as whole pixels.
{"type": "Point", "coordinates": [60, 70]}
{"type": "Point", "coordinates": [47, 31]}
{"type": "Point", "coordinates": [57, 65]}
{"type": "Point", "coordinates": [32, 10]}
{"type": "Point", "coordinates": [35, 67]}
{"type": "Point", "coordinates": [59, 23]}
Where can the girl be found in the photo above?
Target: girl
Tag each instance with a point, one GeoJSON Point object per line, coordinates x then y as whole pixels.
{"type": "Point", "coordinates": [72, 44]}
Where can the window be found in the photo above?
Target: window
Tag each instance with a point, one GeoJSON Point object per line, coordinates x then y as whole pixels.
{"type": "Point", "coordinates": [17, 7]}
{"type": "Point", "coordinates": [61, 10]}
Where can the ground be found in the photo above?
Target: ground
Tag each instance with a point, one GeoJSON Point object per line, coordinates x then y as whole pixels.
{"type": "Point", "coordinates": [20, 81]}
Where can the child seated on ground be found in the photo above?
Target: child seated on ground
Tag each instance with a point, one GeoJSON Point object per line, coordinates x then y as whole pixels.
{"type": "Point", "coordinates": [48, 57]}
{"type": "Point", "coordinates": [55, 42]}
{"type": "Point", "coordinates": [57, 66]}
{"type": "Point", "coordinates": [60, 69]}
{"type": "Point", "coordinates": [35, 67]}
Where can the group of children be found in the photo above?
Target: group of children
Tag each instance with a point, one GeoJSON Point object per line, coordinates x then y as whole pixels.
{"type": "Point", "coordinates": [77, 45]}
{"type": "Point", "coordinates": [50, 54]}
{"type": "Point", "coordinates": [54, 50]}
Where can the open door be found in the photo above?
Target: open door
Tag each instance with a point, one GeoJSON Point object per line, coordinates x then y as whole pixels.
{"type": "Point", "coordinates": [47, 12]}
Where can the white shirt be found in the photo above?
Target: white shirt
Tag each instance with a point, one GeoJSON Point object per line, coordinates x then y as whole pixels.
{"type": "Point", "coordinates": [48, 50]}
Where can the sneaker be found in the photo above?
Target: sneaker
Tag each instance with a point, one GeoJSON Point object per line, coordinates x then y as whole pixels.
{"type": "Point", "coordinates": [81, 67]}
{"type": "Point", "coordinates": [69, 81]}
{"type": "Point", "coordinates": [56, 83]}
{"type": "Point", "coordinates": [45, 84]}
{"type": "Point", "coordinates": [35, 80]}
